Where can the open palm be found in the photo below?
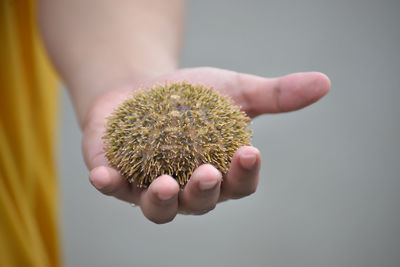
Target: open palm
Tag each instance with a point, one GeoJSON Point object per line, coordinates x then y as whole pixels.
{"type": "Point", "coordinates": [163, 199]}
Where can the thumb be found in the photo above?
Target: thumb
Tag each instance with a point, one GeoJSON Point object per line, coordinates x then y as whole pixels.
{"type": "Point", "coordinates": [282, 94]}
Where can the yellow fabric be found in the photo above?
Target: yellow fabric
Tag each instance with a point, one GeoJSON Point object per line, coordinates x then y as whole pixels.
{"type": "Point", "coordinates": [28, 109]}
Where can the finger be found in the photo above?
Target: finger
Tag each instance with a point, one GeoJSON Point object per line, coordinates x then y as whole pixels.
{"type": "Point", "coordinates": [159, 202]}
{"type": "Point", "coordinates": [109, 182]}
{"type": "Point", "coordinates": [287, 93]}
{"type": "Point", "coordinates": [94, 126]}
{"type": "Point", "coordinates": [104, 178]}
{"type": "Point", "coordinates": [242, 178]}
{"type": "Point", "coordinates": [257, 95]}
{"type": "Point", "coordinates": [202, 191]}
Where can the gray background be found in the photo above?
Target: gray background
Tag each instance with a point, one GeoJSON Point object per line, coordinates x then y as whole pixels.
{"type": "Point", "coordinates": [329, 192]}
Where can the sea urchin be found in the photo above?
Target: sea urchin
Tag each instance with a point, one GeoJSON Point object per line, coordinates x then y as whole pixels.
{"type": "Point", "coordinates": [172, 129]}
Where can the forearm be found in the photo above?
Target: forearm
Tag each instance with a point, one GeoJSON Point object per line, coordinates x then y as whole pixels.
{"type": "Point", "coordinates": [102, 45]}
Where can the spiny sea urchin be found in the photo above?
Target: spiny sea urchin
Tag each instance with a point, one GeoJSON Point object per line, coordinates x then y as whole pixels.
{"type": "Point", "coordinates": [172, 129]}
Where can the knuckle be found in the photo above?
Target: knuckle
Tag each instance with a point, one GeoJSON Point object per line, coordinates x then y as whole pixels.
{"type": "Point", "coordinates": [108, 191]}
{"type": "Point", "coordinates": [160, 220]}
{"type": "Point", "coordinates": [197, 210]}
{"type": "Point", "coordinates": [205, 210]}
{"type": "Point", "coordinates": [252, 190]}
{"type": "Point", "coordinates": [241, 194]}
{"type": "Point", "coordinates": [157, 216]}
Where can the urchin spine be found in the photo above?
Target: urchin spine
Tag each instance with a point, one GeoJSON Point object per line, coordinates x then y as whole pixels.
{"type": "Point", "coordinates": [172, 129]}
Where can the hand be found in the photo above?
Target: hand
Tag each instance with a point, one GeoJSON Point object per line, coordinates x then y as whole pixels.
{"type": "Point", "coordinates": [163, 199]}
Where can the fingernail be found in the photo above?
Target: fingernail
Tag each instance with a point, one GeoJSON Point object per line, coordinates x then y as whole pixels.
{"type": "Point", "coordinates": [164, 197]}
{"type": "Point", "coordinates": [207, 185]}
{"type": "Point", "coordinates": [96, 184]}
{"type": "Point", "coordinates": [248, 160]}
{"type": "Point", "coordinates": [99, 178]}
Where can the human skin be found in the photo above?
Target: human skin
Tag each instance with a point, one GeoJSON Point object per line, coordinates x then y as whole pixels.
{"type": "Point", "coordinates": [105, 50]}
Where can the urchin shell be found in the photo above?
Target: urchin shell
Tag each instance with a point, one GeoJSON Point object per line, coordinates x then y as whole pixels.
{"type": "Point", "coordinates": [172, 129]}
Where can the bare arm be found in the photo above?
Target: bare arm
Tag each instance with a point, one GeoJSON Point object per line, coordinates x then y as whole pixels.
{"type": "Point", "coordinates": [101, 45]}
{"type": "Point", "coordinates": [103, 49]}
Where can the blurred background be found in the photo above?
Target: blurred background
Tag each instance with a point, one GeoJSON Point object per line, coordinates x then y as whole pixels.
{"type": "Point", "coordinates": [330, 179]}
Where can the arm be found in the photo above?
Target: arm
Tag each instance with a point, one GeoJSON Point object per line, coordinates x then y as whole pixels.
{"type": "Point", "coordinates": [100, 45]}
{"type": "Point", "coordinates": [105, 49]}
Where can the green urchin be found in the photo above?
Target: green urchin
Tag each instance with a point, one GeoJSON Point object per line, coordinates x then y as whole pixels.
{"type": "Point", "coordinates": [173, 129]}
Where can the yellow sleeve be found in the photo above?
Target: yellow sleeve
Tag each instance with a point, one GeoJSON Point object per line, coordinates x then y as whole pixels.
{"type": "Point", "coordinates": [28, 112]}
